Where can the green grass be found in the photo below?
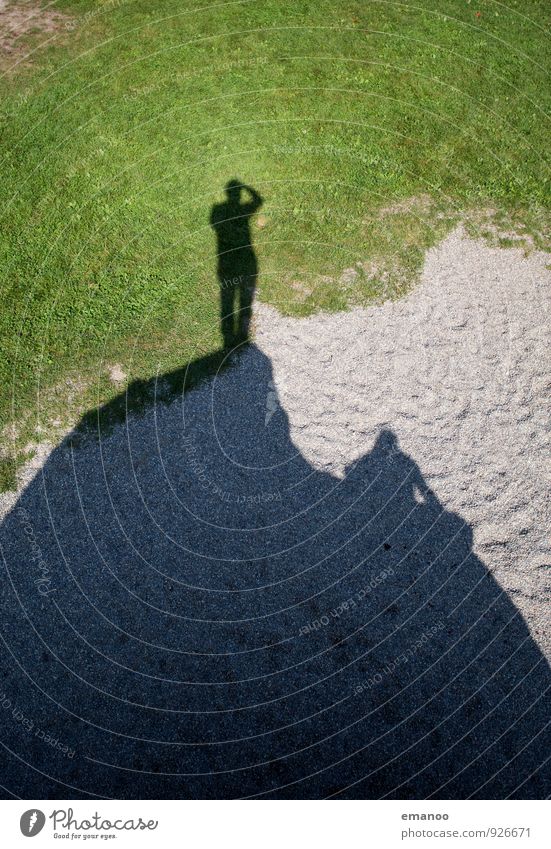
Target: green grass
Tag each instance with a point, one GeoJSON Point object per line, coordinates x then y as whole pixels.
{"type": "Point", "coordinates": [117, 139]}
{"type": "Point", "coordinates": [8, 469]}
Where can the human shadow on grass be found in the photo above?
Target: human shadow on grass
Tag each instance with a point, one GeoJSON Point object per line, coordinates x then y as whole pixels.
{"type": "Point", "coordinates": [237, 272]}
{"type": "Point", "coordinates": [192, 610]}
{"type": "Point", "coordinates": [237, 264]}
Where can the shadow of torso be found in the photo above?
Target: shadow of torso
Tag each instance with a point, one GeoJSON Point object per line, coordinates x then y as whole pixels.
{"type": "Point", "coordinates": [231, 224]}
{"type": "Point", "coordinates": [192, 610]}
{"type": "Point", "coordinates": [237, 266]}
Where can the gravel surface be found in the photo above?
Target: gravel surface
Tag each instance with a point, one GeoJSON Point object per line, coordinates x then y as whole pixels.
{"type": "Point", "coordinates": [461, 371]}
{"type": "Point", "coordinates": [323, 573]}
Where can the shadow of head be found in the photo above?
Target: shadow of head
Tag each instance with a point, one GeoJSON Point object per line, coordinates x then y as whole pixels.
{"type": "Point", "coordinates": [233, 191]}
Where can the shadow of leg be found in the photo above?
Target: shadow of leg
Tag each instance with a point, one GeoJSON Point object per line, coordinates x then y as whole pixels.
{"type": "Point", "coordinates": [227, 317]}
{"type": "Point", "coordinates": [247, 288]}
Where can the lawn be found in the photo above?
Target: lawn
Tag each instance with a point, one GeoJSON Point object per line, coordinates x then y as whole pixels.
{"type": "Point", "coordinates": [369, 128]}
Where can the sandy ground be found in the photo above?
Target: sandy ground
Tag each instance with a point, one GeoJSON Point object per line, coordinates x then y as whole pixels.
{"type": "Point", "coordinates": [322, 573]}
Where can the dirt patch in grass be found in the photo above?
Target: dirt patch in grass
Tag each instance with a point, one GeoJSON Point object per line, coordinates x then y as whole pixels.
{"type": "Point", "coordinates": [529, 229]}
{"type": "Point", "coordinates": [416, 205]}
{"type": "Point", "coordinates": [116, 373]}
{"type": "Point", "coordinates": [21, 24]}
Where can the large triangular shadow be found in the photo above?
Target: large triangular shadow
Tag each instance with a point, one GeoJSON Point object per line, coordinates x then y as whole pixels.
{"type": "Point", "coordinates": [192, 610]}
